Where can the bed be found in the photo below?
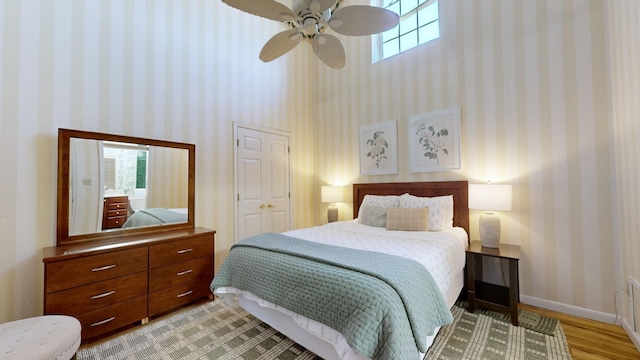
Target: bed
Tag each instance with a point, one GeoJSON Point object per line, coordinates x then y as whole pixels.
{"type": "Point", "coordinates": [155, 216]}
{"type": "Point", "coordinates": [439, 252]}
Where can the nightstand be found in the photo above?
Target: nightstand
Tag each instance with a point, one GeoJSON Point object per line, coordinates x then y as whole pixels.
{"type": "Point", "coordinates": [494, 297]}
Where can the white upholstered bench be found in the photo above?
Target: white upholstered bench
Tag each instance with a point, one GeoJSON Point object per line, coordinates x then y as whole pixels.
{"type": "Point", "coordinates": [50, 337]}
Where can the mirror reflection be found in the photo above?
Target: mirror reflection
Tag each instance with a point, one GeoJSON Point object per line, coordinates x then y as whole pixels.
{"type": "Point", "coordinates": [116, 185]}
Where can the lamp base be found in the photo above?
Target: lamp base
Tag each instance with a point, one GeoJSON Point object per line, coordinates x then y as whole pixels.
{"type": "Point", "coordinates": [490, 231]}
{"type": "Point", "coordinates": [332, 213]}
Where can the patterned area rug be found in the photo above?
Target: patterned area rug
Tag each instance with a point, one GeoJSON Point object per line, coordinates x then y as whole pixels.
{"type": "Point", "coordinates": [217, 331]}
{"type": "Point", "coordinates": [526, 319]}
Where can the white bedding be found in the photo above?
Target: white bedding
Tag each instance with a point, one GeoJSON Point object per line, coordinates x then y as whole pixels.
{"type": "Point", "coordinates": [442, 253]}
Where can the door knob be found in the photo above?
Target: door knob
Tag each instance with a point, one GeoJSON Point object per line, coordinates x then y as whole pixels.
{"type": "Point", "coordinates": [271, 205]}
{"type": "Point", "coordinates": [262, 206]}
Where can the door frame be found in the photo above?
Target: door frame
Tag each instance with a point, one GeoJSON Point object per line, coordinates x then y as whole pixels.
{"type": "Point", "coordinates": [236, 186]}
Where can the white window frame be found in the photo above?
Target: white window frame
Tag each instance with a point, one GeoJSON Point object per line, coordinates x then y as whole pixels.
{"type": "Point", "coordinates": [405, 30]}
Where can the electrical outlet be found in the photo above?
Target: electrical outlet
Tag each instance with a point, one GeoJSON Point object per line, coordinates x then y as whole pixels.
{"type": "Point", "coordinates": [86, 181]}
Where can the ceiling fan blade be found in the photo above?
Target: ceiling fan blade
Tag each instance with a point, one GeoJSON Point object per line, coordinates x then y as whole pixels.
{"type": "Point", "coordinates": [269, 9]}
{"type": "Point", "coordinates": [358, 20]}
{"type": "Point", "coordinates": [279, 45]}
{"type": "Point", "coordinates": [317, 6]}
{"type": "Point", "coordinates": [329, 50]}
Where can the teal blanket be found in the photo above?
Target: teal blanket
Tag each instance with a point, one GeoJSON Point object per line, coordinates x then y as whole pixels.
{"type": "Point", "coordinates": [384, 305]}
{"type": "Point", "coordinates": [154, 216]}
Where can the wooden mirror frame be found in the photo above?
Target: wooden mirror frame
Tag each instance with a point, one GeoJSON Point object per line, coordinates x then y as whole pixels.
{"type": "Point", "coordinates": [64, 141]}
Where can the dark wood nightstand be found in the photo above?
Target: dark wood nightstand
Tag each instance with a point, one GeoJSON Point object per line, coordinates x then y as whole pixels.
{"type": "Point", "coordinates": [494, 297]}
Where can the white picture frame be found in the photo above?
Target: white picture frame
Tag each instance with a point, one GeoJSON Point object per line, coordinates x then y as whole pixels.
{"type": "Point", "coordinates": [434, 141]}
{"type": "Point", "coordinates": [379, 148]}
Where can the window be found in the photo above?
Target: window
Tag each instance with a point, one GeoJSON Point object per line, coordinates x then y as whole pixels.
{"type": "Point", "coordinates": [125, 167]}
{"type": "Point", "coordinates": [419, 23]}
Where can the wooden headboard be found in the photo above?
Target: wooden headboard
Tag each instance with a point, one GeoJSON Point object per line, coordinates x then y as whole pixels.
{"type": "Point", "coordinates": [459, 190]}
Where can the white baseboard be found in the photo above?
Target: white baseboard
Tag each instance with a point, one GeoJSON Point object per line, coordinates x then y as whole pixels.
{"type": "Point", "coordinates": [570, 309]}
{"type": "Point", "coordinates": [635, 339]}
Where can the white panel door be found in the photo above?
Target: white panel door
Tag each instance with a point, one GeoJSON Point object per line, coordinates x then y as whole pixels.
{"type": "Point", "coordinates": [278, 180]}
{"type": "Point", "coordinates": [263, 182]}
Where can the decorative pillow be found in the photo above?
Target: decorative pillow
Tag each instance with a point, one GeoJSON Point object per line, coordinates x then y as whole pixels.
{"type": "Point", "coordinates": [407, 219]}
{"type": "Point", "coordinates": [440, 209]}
{"type": "Point", "coordinates": [373, 216]}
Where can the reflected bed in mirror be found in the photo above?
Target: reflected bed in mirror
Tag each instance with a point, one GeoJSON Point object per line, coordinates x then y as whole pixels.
{"type": "Point", "coordinates": [110, 185]}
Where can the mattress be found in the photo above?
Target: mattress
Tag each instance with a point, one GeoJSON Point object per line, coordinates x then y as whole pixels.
{"type": "Point", "coordinates": [442, 253]}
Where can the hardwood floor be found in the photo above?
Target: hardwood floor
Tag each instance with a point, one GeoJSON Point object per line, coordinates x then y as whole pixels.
{"type": "Point", "coordinates": [592, 340]}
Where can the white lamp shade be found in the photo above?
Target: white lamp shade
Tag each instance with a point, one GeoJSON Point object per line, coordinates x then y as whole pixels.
{"type": "Point", "coordinates": [332, 194]}
{"type": "Point", "coordinates": [490, 197]}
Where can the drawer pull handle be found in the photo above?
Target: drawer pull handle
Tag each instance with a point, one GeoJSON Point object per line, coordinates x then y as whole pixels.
{"type": "Point", "coordinates": [185, 294]}
{"type": "Point", "coordinates": [103, 295]}
{"type": "Point", "coordinates": [184, 251]}
{"type": "Point", "coordinates": [103, 268]}
{"type": "Point", "coordinates": [184, 272]}
{"type": "Point", "coordinates": [104, 321]}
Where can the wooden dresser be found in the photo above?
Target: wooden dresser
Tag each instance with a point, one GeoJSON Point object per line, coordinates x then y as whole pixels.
{"type": "Point", "coordinates": [114, 212]}
{"type": "Point", "coordinates": [112, 283]}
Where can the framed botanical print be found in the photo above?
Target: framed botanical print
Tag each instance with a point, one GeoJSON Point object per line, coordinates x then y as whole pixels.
{"type": "Point", "coordinates": [379, 148]}
{"type": "Point", "coordinates": [434, 141]}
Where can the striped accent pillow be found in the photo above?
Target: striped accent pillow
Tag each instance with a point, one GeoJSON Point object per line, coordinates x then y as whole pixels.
{"type": "Point", "coordinates": [407, 219]}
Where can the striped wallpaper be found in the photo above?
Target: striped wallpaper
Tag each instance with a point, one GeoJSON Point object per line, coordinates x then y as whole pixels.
{"type": "Point", "coordinates": [531, 78]}
{"type": "Point", "coordinates": [180, 70]}
{"type": "Point", "coordinates": [625, 75]}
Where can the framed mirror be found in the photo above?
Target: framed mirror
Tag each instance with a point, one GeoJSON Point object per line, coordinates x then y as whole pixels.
{"type": "Point", "coordinates": [111, 185]}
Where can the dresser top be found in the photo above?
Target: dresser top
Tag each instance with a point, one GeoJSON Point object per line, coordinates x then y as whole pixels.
{"type": "Point", "coordinates": [80, 249]}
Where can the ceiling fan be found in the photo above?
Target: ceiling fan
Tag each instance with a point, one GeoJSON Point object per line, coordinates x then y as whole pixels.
{"type": "Point", "coordinates": [308, 19]}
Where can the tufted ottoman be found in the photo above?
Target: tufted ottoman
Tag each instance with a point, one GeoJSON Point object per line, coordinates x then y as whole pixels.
{"type": "Point", "coordinates": [49, 337]}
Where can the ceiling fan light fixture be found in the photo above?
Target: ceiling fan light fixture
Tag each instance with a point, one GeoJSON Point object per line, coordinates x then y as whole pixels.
{"type": "Point", "coordinates": [310, 26]}
{"type": "Point", "coordinates": [322, 39]}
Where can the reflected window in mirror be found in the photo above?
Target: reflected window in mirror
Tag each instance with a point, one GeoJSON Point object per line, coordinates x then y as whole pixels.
{"type": "Point", "coordinates": [125, 168]}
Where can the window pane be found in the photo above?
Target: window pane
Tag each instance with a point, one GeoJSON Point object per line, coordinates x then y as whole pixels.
{"type": "Point", "coordinates": [409, 41]}
{"type": "Point", "coordinates": [428, 14]}
{"type": "Point", "coordinates": [408, 24]}
{"type": "Point", "coordinates": [408, 5]}
{"type": "Point", "coordinates": [416, 27]}
{"type": "Point", "coordinates": [390, 48]}
{"type": "Point", "coordinates": [395, 7]}
{"type": "Point", "coordinates": [390, 34]}
{"type": "Point", "coordinates": [429, 32]}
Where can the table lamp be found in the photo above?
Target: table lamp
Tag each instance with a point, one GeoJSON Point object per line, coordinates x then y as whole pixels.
{"type": "Point", "coordinates": [489, 198]}
{"type": "Point", "coordinates": [332, 194]}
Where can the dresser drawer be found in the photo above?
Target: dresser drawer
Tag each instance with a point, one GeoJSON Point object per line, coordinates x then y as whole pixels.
{"type": "Point", "coordinates": [177, 251]}
{"type": "Point", "coordinates": [67, 274]}
{"type": "Point", "coordinates": [115, 222]}
{"type": "Point", "coordinates": [170, 275]}
{"type": "Point", "coordinates": [98, 322]}
{"type": "Point", "coordinates": [97, 295]}
{"type": "Point", "coordinates": [170, 298]}
{"type": "Point", "coordinates": [117, 213]}
{"type": "Point", "coordinates": [117, 202]}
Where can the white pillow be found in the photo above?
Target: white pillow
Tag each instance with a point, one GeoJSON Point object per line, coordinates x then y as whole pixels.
{"type": "Point", "coordinates": [440, 209]}
{"type": "Point", "coordinates": [383, 201]}
{"type": "Point", "coordinates": [373, 216]}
